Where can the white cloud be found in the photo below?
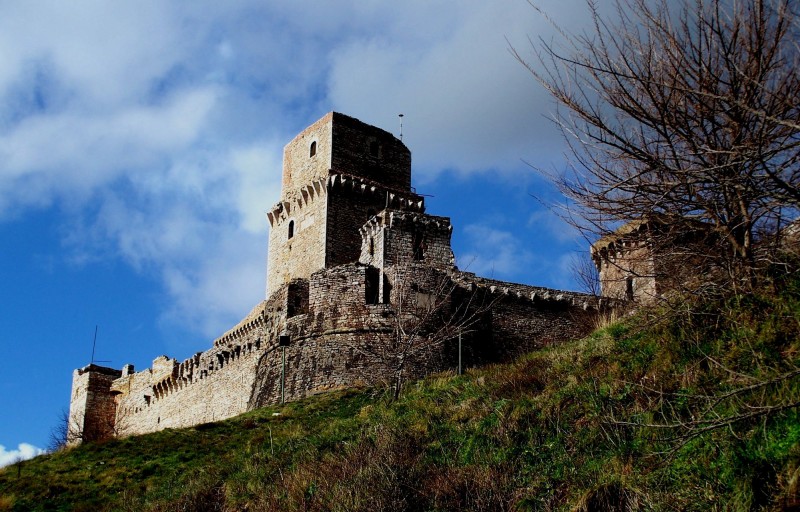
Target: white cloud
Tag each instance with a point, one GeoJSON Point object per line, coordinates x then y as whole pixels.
{"type": "Point", "coordinates": [222, 285]}
{"type": "Point", "coordinates": [493, 252]}
{"type": "Point", "coordinates": [85, 149]}
{"type": "Point", "coordinates": [468, 104]}
{"type": "Point", "coordinates": [259, 169]}
{"type": "Point", "coordinates": [556, 227]}
{"type": "Point", "coordinates": [106, 53]}
{"type": "Point", "coordinates": [24, 451]}
{"type": "Point", "coordinates": [157, 128]}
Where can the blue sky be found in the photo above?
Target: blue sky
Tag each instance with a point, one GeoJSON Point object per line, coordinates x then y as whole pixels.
{"type": "Point", "coordinates": [141, 145]}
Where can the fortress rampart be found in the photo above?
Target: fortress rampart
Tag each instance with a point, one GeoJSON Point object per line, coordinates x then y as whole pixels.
{"type": "Point", "coordinates": [352, 255]}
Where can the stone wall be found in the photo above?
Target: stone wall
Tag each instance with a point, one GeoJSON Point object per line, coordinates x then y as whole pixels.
{"type": "Point", "coordinates": [353, 171]}
{"type": "Point", "coordinates": [208, 386]}
{"type": "Point", "coordinates": [335, 340]}
{"type": "Point", "coordinates": [627, 271]}
{"type": "Point", "coordinates": [393, 236]}
{"type": "Point", "coordinates": [523, 318]}
{"type": "Point", "coordinates": [371, 153]}
{"type": "Point", "coordinates": [339, 339]}
{"type": "Point", "coordinates": [92, 408]}
{"type": "Point", "coordinates": [355, 265]}
{"type": "Point", "coordinates": [303, 215]}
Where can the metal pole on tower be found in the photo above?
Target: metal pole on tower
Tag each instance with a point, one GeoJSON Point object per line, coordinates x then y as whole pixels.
{"type": "Point", "coordinates": [401, 126]}
{"type": "Point", "coordinates": [94, 344]}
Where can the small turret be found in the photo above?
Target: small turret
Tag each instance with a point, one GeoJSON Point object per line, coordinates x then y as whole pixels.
{"type": "Point", "coordinates": [92, 407]}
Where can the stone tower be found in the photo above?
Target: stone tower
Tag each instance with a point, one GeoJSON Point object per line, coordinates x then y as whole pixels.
{"type": "Point", "coordinates": [353, 257]}
{"type": "Point", "coordinates": [92, 408]}
{"type": "Point", "coordinates": [337, 174]}
{"type": "Point", "coordinates": [648, 257]}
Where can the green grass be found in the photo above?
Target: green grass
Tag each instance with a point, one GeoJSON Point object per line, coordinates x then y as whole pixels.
{"type": "Point", "coordinates": [690, 411]}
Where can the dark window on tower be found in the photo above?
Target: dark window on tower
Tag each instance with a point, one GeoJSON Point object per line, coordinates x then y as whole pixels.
{"type": "Point", "coordinates": [291, 228]}
{"type": "Point", "coordinates": [419, 246]}
{"type": "Point", "coordinates": [297, 299]}
{"type": "Point", "coordinates": [387, 290]}
{"type": "Point", "coordinates": [371, 246]}
{"type": "Point", "coordinates": [371, 285]}
{"type": "Point", "coordinates": [313, 150]}
{"type": "Point", "coordinates": [629, 288]}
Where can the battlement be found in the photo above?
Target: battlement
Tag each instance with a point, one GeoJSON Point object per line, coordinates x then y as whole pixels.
{"type": "Point", "coordinates": [337, 141]}
{"type": "Point", "coordinates": [336, 174]}
{"type": "Point", "coordinates": [646, 257]}
{"type": "Point", "coordinates": [348, 238]}
{"type": "Point", "coordinates": [533, 294]}
{"type": "Point", "coordinates": [303, 197]}
{"type": "Point", "coordinates": [394, 236]}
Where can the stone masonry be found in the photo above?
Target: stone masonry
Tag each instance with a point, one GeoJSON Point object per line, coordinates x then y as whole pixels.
{"type": "Point", "coordinates": [646, 258]}
{"type": "Point", "coordinates": [348, 236]}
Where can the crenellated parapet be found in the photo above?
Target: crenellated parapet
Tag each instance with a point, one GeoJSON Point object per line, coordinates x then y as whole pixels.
{"type": "Point", "coordinates": [351, 254]}
{"type": "Point", "coordinates": [142, 396]}
{"type": "Point", "coordinates": [647, 257]}
{"type": "Point", "coordinates": [391, 237]}
{"type": "Point", "coordinates": [297, 199]}
{"type": "Point", "coordinates": [532, 294]}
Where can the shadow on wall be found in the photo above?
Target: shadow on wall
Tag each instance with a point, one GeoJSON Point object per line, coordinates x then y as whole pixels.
{"type": "Point", "coordinates": [267, 381]}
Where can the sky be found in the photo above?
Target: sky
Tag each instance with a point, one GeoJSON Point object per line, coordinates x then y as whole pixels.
{"type": "Point", "coordinates": [141, 145]}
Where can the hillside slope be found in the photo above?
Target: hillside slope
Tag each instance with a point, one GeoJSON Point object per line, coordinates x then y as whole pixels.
{"type": "Point", "coordinates": [692, 410]}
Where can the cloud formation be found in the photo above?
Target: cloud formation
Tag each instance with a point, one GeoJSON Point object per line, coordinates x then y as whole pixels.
{"type": "Point", "coordinates": [156, 129]}
{"type": "Point", "coordinates": [497, 253]}
{"type": "Point", "coordinates": [24, 451]}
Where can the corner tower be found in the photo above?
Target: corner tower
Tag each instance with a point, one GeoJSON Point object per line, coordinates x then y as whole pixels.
{"type": "Point", "coordinates": [337, 173]}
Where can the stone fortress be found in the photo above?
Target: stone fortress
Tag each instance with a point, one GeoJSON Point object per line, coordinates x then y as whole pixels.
{"type": "Point", "coordinates": [351, 250]}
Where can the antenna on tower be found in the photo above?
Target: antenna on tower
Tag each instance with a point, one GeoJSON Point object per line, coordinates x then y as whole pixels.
{"type": "Point", "coordinates": [401, 125]}
{"type": "Point", "coordinates": [94, 344]}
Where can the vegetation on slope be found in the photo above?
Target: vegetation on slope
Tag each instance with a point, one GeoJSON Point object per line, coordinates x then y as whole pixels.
{"type": "Point", "coordinates": [694, 410]}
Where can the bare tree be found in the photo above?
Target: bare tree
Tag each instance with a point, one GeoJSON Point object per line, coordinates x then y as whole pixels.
{"type": "Point", "coordinates": [426, 310]}
{"type": "Point", "coordinates": [584, 272]}
{"type": "Point", "coordinates": [65, 432]}
{"type": "Point", "coordinates": [681, 109]}
{"type": "Point", "coordinates": [59, 434]}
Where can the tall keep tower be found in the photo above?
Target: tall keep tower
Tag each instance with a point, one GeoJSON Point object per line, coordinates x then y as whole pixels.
{"type": "Point", "coordinates": [337, 174]}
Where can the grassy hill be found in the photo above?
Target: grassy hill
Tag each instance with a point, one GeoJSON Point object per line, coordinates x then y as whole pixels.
{"type": "Point", "coordinates": [694, 408]}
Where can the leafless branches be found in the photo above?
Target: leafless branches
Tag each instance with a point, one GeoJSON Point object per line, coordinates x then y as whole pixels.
{"type": "Point", "coordinates": [66, 431]}
{"type": "Point", "coordinates": [714, 411]}
{"type": "Point", "coordinates": [688, 110]}
{"type": "Point", "coordinates": [584, 272]}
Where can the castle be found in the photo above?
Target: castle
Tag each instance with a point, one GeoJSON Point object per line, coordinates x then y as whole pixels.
{"type": "Point", "coordinates": [362, 290]}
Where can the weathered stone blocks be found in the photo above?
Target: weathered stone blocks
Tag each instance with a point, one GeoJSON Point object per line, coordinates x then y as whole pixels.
{"type": "Point", "coordinates": [352, 255]}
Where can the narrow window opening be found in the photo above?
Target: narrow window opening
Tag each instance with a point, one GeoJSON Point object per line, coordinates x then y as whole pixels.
{"type": "Point", "coordinates": [371, 246]}
{"type": "Point", "coordinates": [372, 285]}
{"type": "Point", "coordinates": [419, 246]}
{"type": "Point", "coordinates": [297, 299]}
{"type": "Point", "coordinates": [629, 288]}
{"type": "Point", "coordinates": [313, 150]}
{"type": "Point", "coordinates": [387, 290]}
{"type": "Point", "coordinates": [291, 229]}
